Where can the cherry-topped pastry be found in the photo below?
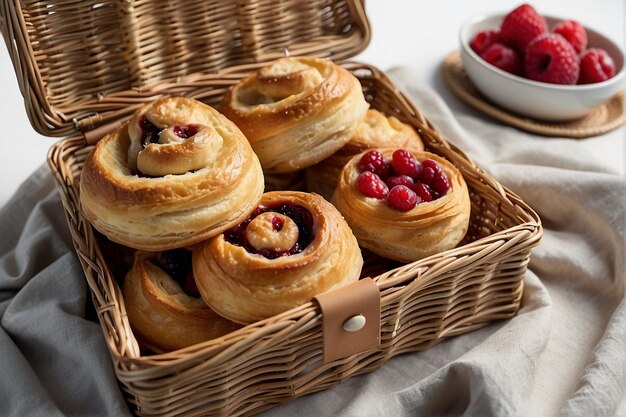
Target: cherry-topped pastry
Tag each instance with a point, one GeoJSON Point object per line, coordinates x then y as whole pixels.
{"type": "Point", "coordinates": [403, 181]}
{"type": "Point", "coordinates": [176, 173]}
{"type": "Point", "coordinates": [164, 306]}
{"type": "Point", "coordinates": [402, 204]}
{"type": "Point", "coordinates": [292, 247]}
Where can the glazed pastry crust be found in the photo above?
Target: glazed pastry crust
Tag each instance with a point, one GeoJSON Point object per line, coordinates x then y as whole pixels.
{"type": "Point", "coordinates": [296, 111]}
{"type": "Point", "coordinates": [376, 130]}
{"type": "Point", "coordinates": [168, 211]}
{"type": "Point", "coordinates": [429, 228]}
{"type": "Point", "coordinates": [161, 315]}
{"type": "Point", "coordinates": [245, 287]}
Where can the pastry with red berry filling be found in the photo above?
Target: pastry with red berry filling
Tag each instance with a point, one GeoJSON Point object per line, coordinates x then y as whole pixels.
{"type": "Point", "coordinates": [402, 204]}
{"type": "Point", "coordinates": [163, 304]}
{"type": "Point", "coordinates": [292, 247]}
{"type": "Point", "coordinates": [177, 173]}
{"type": "Point", "coordinates": [376, 130]}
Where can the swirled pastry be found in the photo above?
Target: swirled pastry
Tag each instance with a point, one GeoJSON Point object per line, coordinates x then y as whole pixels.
{"type": "Point", "coordinates": [376, 130]}
{"type": "Point", "coordinates": [294, 246]}
{"type": "Point", "coordinates": [296, 111]}
{"type": "Point", "coordinates": [177, 173]}
{"type": "Point", "coordinates": [403, 205]}
{"type": "Point", "coordinates": [163, 305]}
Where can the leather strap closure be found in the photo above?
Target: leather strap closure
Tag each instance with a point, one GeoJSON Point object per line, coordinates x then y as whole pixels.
{"type": "Point", "coordinates": [350, 319]}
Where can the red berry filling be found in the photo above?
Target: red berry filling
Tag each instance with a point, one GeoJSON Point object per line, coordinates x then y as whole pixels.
{"type": "Point", "coordinates": [177, 264]}
{"type": "Point", "coordinates": [278, 223]}
{"type": "Point", "coordinates": [185, 131]}
{"type": "Point", "coordinates": [410, 181]}
{"type": "Point", "coordinates": [300, 216]}
{"type": "Point", "coordinates": [149, 132]}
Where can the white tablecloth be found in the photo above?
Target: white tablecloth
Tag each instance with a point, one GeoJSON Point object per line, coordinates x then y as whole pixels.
{"type": "Point", "coordinates": [564, 354]}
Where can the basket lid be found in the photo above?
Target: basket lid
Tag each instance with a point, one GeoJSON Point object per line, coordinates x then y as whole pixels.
{"type": "Point", "coordinates": [85, 64]}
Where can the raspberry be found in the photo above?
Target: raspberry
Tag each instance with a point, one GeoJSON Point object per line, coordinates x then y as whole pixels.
{"type": "Point", "coordinates": [573, 32]}
{"type": "Point", "coordinates": [423, 191]}
{"type": "Point", "coordinates": [374, 161]}
{"type": "Point", "coordinates": [484, 40]}
{"type": "Point", "coordinates": [503, 57]}
{"type": "Point", "coordinates": [520, 26]}
{"type": "Point", "coordinates": [596, 65]}
{"type": "Point", "coordinates": [404, 163]}
{"type": "Point", "coordinates": [402, 198]}
{"type": "Point", "coordinates": [441, 184]}
{"type": "Point", "coordinates": [429, 163]}
{"type": "Point", "coordinates": [370, 185]}
{"type": "Point", "coordinates": [399, 180]}
{"type": "Point", "coordinates": [551, 59]}
{"type": "Point", "coordinates": [427, 176]}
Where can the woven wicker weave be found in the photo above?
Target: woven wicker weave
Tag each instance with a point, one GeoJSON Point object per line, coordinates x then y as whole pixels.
{"type": "Point", "coordinates": [278, 359]}
{"type": "Point", "coordinates": [84, 63]}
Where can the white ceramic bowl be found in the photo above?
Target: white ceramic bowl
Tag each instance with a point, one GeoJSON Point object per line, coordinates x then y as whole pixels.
{"type": "Point", "coordinates": [538, 100]}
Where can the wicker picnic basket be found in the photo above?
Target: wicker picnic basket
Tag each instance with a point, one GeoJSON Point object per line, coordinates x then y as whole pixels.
{"type": "Point", "coordinates": [84, 66]}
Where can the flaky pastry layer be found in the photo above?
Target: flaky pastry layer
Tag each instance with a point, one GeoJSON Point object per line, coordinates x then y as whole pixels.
{"type": "Point", "coordinates": [296, 111]}
{"type": "Point", "coordinates": [172, 210]}
{"type": "Point", "coordinates": [429, 228]}
{"type": "Point", "coordinates": [246, 287]}
{"type": "Point", "coordinates": [161, 315]}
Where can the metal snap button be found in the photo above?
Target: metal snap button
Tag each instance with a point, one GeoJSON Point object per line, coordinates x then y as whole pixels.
{"type": "Point", "coordinates": [354, 323]}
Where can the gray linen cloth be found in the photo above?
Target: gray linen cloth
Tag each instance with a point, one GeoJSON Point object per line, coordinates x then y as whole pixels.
{"type": "Point", "coordinates": [563, 354]}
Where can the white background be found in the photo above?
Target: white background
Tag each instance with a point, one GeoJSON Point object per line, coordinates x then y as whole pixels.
{"type": "Point", "coordinates": [413, 33]}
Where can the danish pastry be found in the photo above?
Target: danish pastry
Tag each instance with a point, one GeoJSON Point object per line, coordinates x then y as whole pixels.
{"type": "Point", "coordinates": [163, 305]}
{"type": "Point", "coordinates": [296, 111]}
{"type": "Point", "coordinates": [403, 205]}
{"type": "Point", "coordinates": [177, 173]}
{"type": "Point", "coordinates": [376, 130]}
{"type": "Point", "coordinates": [294, 246]}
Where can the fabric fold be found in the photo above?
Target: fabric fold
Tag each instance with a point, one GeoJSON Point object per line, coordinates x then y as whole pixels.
{"type": "Point", "coordinates": [54, 360]}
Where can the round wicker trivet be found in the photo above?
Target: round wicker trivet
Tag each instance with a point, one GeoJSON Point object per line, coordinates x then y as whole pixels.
{"type": "Point", "coordinates": [603, 119]}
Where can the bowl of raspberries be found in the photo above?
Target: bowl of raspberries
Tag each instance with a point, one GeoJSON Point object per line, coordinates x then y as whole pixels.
{"type": "Point", "coordinates": [542, 67]}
